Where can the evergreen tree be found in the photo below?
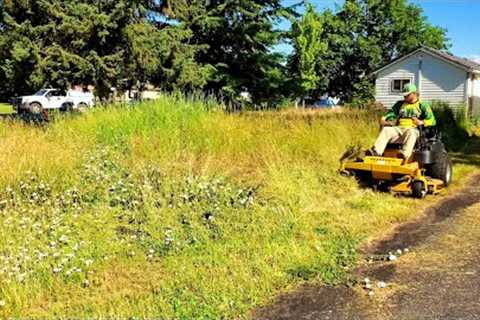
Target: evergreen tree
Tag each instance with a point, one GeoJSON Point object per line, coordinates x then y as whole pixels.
{"type": "Point", "coordinates": [58, 43]}
{"type": "Point", "coordinates": [238, 37]}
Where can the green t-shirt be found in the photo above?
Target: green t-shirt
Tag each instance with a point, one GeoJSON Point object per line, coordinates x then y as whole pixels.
{"type": "Point", "coordinates": [403, 112]}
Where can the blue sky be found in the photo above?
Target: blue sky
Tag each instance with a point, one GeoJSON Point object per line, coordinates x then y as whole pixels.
{"type": "Point", "coordinates": [460, 17]}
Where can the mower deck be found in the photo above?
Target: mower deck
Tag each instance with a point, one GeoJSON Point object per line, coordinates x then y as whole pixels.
{"type": "Point", "coordinates": [400, 177]}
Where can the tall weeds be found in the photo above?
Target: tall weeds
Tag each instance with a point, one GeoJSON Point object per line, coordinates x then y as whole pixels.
{"type": "Point", "coordinates": [175, 209]}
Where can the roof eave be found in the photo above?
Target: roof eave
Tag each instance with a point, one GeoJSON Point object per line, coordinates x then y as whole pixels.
{"type": "Point", "coordinates": [396, 61]}
{"type": "Point", "coordinates": [431, 52]}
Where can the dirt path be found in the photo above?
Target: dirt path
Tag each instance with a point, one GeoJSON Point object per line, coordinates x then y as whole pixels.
{"type": "Point", "coordinates": [439, 278]}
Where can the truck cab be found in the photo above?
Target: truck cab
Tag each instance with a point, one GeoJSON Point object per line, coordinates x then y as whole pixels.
{"type": "Point", "coordinates": [53, 99]}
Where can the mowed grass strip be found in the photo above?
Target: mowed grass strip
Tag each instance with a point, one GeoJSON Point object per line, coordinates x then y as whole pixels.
{"type": "Point", "coordinates": [172, 209]}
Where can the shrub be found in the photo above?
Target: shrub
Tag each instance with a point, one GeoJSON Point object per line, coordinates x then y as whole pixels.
{"type": "Point", "coordinates": [453, 124]}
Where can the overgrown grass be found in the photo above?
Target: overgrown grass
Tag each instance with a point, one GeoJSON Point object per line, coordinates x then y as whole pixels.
{"type": "Point", "coordinates": [168, 210]}
{"type": "Point", "coordinates": [454, 125]}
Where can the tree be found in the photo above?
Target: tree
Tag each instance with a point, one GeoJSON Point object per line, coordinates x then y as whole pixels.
{"type": "Point", "coordinates": [379, 31]}
{"type": "Point", "coordinates": [363, 35]}
{"type": "Point", "coordinates": [238, 37]}
{"type": "Point", "coordinates": [58, 43]}
{"type": "Point", "coordinates": [163, 56]}
{"type": "Point", "coordinates": [307, 66]}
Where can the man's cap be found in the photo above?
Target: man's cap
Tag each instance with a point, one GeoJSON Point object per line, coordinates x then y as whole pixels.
{"type": "Point", "coordinates": [409, 88]}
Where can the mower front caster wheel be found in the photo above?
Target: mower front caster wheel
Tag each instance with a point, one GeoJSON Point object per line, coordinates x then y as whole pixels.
{"type": "Point", "coordinates": [419, 189]}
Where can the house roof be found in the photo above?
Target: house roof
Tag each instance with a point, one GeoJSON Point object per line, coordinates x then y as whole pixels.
{"type": "Point", "coordinates": [462, 63]}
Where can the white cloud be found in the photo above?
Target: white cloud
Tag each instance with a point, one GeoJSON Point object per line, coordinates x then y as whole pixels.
{"type": "Point", "coordinates": [475, 58]}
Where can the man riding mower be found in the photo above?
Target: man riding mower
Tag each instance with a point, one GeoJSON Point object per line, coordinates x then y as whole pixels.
{"type": "Point", "coordinates": [408, 156]}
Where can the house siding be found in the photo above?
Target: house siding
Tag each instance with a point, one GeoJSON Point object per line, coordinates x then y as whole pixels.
{"type": "Point", "coordinates": [407, 69]}
{"type": "Point", "coordinates": [443, 81]}
{"type": "Point", "coordinates": [440, 80]}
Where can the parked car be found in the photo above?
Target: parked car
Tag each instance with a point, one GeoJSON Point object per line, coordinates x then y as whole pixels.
{"type": "Point", "coordinates": [325, 103]}
{"type": "Point", "coordinates": [53, 99]}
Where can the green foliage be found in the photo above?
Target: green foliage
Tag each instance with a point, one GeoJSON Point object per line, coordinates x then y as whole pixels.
{"type": "Point", "coordinates": [59, 43]}
{"type": "Point", "coordinates": [238, 37]}
{"type": "Point", "coordinates": [224, 48]}
{"type": "Point", "coordinates": [309, 48]}
{"type": "Point", "coordinates": [453, 124]}
{"type": "Point", "coordinates": [366, 34]}
{"type": "Point", "coordinates": [164, 57]}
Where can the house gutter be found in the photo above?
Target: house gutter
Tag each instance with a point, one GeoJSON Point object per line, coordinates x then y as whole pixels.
{"type": "Point", "coordinates": [471, 99]}
{"type": "Point", "coordinates": [420, 73]}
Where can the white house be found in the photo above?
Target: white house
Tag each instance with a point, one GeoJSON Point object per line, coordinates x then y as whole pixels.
{"type": "Point", "coordinates": [437, 75]}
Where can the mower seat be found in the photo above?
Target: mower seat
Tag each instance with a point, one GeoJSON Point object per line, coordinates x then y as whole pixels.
{"type": "Point", "coordinates": [394, 146]}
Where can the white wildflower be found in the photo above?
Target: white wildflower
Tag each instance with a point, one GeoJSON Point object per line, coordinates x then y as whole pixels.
{"type": "Point", "coordinates": [21, 277]}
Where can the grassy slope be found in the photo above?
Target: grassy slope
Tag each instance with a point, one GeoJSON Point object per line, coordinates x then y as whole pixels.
{"type": "Point", "coordinates": [168, 210]}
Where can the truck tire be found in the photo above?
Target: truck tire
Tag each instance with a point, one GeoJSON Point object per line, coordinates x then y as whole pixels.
{"type": "Point", "coordinates": [67, 107]}
{"type": "Point", "coordinates": [441, 169]}
{"type": "Point", "coordinates": [35, 108]}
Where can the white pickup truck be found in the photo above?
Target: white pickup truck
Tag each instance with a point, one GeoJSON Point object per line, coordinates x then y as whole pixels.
{"type": "Point", "coordinates": [53, 99]}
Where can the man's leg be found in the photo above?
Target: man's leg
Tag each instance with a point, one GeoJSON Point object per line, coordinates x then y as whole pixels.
{"type": "Point", "coordinates": [386, 135]}
{"type": "Point", "coordinates": [409, 137]}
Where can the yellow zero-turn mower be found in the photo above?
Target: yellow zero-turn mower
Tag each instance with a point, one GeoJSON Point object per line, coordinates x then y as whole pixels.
{"type": "Point", "coordinates": [427, 171]}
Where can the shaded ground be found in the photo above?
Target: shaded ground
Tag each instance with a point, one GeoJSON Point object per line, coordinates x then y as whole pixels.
{"type": "Point", "coordinates": [437, 279]}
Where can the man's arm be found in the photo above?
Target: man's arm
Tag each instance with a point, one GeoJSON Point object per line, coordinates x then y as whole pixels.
{"type": "Point", "coordinates": [428, 117]}
{"type": "Point", "coordinates": [391, 115]}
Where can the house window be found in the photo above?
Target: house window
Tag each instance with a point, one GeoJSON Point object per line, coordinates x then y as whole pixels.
{"type": "Point", "coordinates": [398, 84]}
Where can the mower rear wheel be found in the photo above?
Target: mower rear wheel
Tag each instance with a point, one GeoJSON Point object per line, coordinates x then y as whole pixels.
{"type": "Point", "coordinates": [419, 190]}
{"type": "Point", "coordinates": [442, 169]}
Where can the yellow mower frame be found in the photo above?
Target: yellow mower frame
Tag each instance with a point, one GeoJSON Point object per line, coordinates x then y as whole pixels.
{"type": "Point", "coordinates": [428, 170]}
{"type": "Point", "coordinates": [387, 168]}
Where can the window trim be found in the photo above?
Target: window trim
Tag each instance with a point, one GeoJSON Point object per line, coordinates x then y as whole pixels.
{"type": "Point", "coordinates": [402, 84]}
